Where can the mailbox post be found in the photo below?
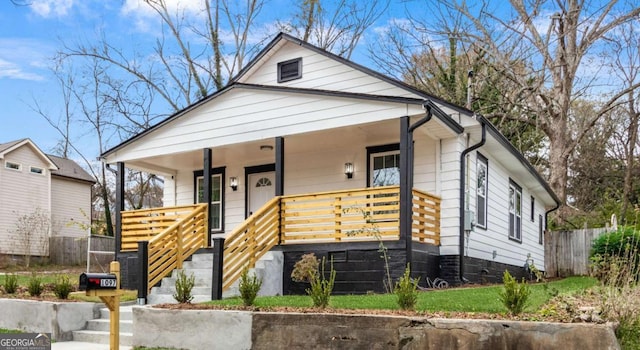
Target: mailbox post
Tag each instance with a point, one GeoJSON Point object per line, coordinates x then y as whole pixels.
{"type": "Point", "coordinates": [107, 287]}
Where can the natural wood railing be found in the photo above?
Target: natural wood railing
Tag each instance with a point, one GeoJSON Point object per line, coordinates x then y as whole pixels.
{"type": "Point", "coordinates": [144, 224]}
{"type": "Point", "coordinates": [250, 241]}
{"type": "Point", "coordinates": [425, 217]}
{"type": "Point", "coordinates": [168, 249]}
{"type": "Point", "coordinates": [342, 216]}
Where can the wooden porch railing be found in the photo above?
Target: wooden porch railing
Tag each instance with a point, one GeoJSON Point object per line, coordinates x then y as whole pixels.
{"type": "Point", "coordinates": [250, 241]}
{"type": "Point", "coordinates": [342, 216]}
{"type": "Point", "coordinates": [425, 217]}
{"type": "Point", "coordinates": [144, 224]}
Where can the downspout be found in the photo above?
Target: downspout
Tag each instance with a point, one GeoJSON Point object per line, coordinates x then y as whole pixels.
{"type": "Point", "coordinates": [462, 192]}
{"type": "Point", "coordinates": [406, 178]}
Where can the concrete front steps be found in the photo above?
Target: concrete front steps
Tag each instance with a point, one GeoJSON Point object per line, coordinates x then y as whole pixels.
{"type": "Point", "coordinates": [201, 265]}
{"type": "Point", "coordinates": [97, 331]}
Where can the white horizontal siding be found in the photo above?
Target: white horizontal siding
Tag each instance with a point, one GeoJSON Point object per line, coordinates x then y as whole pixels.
{"type": "Point", "coordinates": [241, 116]}
{"type": "Point", "coordinates": [21, 192]}
{"type": "Point", "coordinates": [450, 177]}
{"type": "Point", "coordinates": [424, 164]}
{"type": "Point", "coordinates": [69, 199]}
{"type": "Point", "coordinates": [322, 72]}
{"type": "Point", "coordinates": [483, 243]}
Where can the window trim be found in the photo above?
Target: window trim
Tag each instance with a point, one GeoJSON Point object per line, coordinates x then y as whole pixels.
{"type": "Point", "coordinates": [7, 163]}
{"type": "Point", "coordinates": [481, 159]}
{"type": "Point", "coordinates": [40, 172]}
{"type": "Point", "coordinates": [219, 171]}
{"type": "Point", "coordinates": [297, 76]}
{"type": "Point", "coordinates": [513, 235]}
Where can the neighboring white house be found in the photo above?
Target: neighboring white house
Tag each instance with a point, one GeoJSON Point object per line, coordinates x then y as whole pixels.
{"type": "Point", "coordinates": [303, 109]}
{"type": "Point", "coordinates": [31, 181]}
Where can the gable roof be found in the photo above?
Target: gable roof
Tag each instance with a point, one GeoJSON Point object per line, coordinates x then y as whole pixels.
{"type": "Point", "coordinates": [67, 168]}
{"type": "Point", "coordinates": [11, 146]}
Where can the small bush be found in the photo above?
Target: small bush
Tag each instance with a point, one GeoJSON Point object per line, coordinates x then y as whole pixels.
{"type": "Point", "coordinates": [249, 287]}
{"type": "Point", "coordinates": [10, 283]}
{"type": "Point", "coordinates": [184, 286]}
{"type": "Point", "coordinates": [62, 287]}
{"type": "Point", "coordinates": [35, 286]}
{"type": "Point", "coordinates": [615, 257]}
{"type": "Point", "coordinates": [407, 290]}
{"type": "Point", "coordinates": [321, 288]}
{"type": "Point", "coordinates": [305, 269]}
{"type": "Point", "coordinates": [515, 295]}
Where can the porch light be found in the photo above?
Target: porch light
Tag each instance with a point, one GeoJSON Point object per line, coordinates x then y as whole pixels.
{"type": "Point", "coordinates": [233, 183]}
{"type": "Point", "coordinates": [348, 170]}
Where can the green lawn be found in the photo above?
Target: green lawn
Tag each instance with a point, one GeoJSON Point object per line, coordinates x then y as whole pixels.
{"type": "Point", "coordinates": [472, 299]}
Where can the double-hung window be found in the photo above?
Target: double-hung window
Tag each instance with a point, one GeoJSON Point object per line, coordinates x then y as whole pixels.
{"type": "Point", "coordinates": [482, 172]}
{"type": "Point", "coordinates": [215, 208]}
{"type": "Point", "coordinates": [515, 211]}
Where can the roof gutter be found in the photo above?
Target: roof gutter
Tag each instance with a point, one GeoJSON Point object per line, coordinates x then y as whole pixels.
{"type": "Point", "coordinates": [462, 193]}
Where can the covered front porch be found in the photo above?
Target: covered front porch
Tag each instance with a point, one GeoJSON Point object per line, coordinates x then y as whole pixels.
{"type": "Point", "coordinates": [163, 238]}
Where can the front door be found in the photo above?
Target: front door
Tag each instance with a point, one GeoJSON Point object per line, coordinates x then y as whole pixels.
{"type": "Point", "coordinates": [261, 188]}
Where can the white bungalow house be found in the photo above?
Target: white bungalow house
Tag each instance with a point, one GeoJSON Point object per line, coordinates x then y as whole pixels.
{"type": "Point", "coordinates": [31, 181]}
{"type": "Point", "coordinates": [304, 151]}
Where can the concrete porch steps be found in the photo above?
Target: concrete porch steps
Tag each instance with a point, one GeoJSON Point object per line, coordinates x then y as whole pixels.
{"type": "Point", "coordinates": [97, 330]}
{"type": "Point", "coordinates": [201, 265]}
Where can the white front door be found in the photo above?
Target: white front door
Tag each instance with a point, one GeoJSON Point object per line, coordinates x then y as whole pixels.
{"type": "Point", "coordinates": [262, 187]}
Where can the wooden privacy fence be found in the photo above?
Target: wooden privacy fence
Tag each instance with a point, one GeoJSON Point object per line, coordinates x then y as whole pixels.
{"type": "Point", "coordinates": [567, 252]}
{"type": "Point", "coordinates": [73, 250]}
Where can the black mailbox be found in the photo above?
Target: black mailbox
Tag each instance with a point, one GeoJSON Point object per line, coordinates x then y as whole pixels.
{"type": "Point", "coordinates": [92, 281]}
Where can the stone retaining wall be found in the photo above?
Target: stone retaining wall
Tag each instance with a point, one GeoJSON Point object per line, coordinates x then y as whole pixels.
{"type": "Point", "coordinates": [199, 329]}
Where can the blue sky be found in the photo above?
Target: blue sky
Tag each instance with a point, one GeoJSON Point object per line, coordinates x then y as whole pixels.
{"type": "Point", "coordinates": [31, 35]}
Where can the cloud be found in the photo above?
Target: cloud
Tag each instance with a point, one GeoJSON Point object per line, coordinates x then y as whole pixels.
{"type": "Point", "coordinates": [23, 59]}
{"type": "Point", "coordinates": [51, 8]}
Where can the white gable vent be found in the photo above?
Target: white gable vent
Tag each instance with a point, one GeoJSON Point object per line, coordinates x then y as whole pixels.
{"type": "Point", "coordinates": [290, 70]}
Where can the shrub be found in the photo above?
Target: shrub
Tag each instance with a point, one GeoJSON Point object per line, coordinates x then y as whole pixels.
{"type": "Point", "coordinates": [184, 286]}
{"type": "Point", "coordinates": [407, 290]}
{"type": "Point", "coordinates": [515, 295]}
{"type": "Point", "coordinates": [62, 287]}
{"type": "Point", "coordinates": [35, 286]}
{"type": "Point", "coordinates": [615, 256]}
{"type": "Point", "coordinates": [10, 283]}
{"type": "Point", "coordinates": [305, 269]}
{"type": "Point", "coordinates": [321, 288]}
{"type": "Point", "coordinates": [249, 287]}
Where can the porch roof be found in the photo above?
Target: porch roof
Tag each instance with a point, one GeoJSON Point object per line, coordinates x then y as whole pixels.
{"type": "Point", "coordinates": [245, 113]}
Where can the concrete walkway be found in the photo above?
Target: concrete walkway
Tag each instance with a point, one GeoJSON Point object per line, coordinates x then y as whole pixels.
{"type": "Point", "coordinates": [78, 345]}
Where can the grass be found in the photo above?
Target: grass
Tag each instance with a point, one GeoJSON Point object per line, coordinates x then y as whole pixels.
{"type": "Point", "coordinates": [472, 299]}
{"type": "Point", "coordinates": [129, 295]}
{"type": "Point", "coordinates": [9, 331]}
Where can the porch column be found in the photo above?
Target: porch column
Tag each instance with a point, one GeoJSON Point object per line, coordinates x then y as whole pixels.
{"type": "Point", "coordinates": [279, 166]}
{"type": "Point", "coordinates": [119, 207]}
{"type": "Point", "coordinates": [206, 188]}
{"type": "Point", "coordinates": [406, 177]}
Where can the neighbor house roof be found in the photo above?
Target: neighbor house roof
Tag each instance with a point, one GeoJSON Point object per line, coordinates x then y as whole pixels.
{"type": "Point", "coordinates": [69, 169]}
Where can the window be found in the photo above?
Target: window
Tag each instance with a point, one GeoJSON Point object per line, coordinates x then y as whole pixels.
{"type": "Point", "coordinates": [482, 168]}
{"type": "Point", "coordinates": [533, 209]}
{"type": "Point", "coordinates": [515, 211]}
{"type": "Point", "coordinates": [385, 169]}
{"type": "Point", "coordinates": [216, 198]}
{"type": "Point", "coordinates": [290, 70]}
{"type": "Point", "coordinates": [12, 166]}
{"type": "Point", "coordinates": [36, 170]}
{"type": "Point", "coordinates": [540, 230]}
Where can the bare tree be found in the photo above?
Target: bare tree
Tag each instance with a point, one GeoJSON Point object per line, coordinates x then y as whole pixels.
{"type": "Point", "coordinates": [31, 231]}
{"type": "Point", "coordinates": [335, 26]}
{"type": "Point", "coordinates": [541, 49]}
